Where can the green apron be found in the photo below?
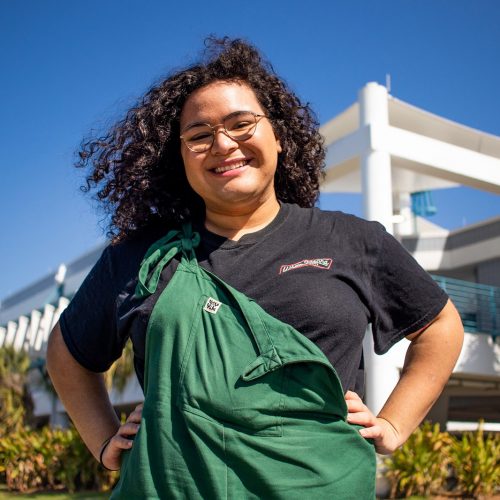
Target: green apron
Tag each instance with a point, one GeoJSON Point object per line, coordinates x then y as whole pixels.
{"type": "Point", "coordinates": [237, 403]}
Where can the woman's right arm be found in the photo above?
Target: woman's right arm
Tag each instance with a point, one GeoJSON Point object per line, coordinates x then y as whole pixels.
{"type": "Point", "coordinates": [85, 398]}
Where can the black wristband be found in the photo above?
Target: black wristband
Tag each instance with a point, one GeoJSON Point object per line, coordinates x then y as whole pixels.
{"type": "Point", "coordinates": [101, 453]}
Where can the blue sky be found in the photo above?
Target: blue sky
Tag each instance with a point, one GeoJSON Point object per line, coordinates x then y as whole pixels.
{"type": "Point", "coordinates": [69, 66]}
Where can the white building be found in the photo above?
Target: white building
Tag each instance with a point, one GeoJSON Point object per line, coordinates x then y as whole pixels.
{"type": "Point", "coordinates": [387, 150]}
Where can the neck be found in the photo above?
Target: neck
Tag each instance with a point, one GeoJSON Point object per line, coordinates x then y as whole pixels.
{"type": "Point", "coordinates": [236, 223]}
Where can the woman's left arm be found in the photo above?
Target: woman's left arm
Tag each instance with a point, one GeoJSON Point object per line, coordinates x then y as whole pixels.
{"type": "Point", "coordinates": [429, 361]}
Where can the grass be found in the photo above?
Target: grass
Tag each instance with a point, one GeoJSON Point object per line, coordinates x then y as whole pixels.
{"type": "Point", "coordinates": [85, 495]}
{"type": "Point", "coordinates": [7, 495]}
{"type": "Point", "coordinates": [89, 495]}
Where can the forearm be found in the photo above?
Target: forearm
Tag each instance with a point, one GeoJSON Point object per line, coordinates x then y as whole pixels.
{"type": "Point", "coordinates": [429, 361]}
{"type": "Point", "coordinates": [83, 394]}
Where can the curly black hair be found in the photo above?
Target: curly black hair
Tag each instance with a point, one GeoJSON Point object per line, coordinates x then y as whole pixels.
{"type": "Point", "coordinates": [136, 169]}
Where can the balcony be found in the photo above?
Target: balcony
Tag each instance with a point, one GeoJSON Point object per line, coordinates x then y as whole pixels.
{"type": "Point", "coordinates": [477, 304]}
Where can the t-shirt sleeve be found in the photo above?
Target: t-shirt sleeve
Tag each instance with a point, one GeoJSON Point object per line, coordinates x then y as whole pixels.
{"type": "Point", "coordinates": [88, 324]}
{"type": "Point", "coordinates": [404, 297]}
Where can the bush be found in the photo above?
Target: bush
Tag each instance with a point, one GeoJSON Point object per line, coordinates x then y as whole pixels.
{"type": "Point", "coordinates": [14, 366]}
{"type": "Point", "coordinates": [420, 466]}
{"type": "Point", "coordinates": [46, 458]}
{"type": "Point", "coordinates": [430, 461]}
{"type": "Point", "coordinates": [475, 458]}
{"type": "Point", "coordinates": [50, 459]}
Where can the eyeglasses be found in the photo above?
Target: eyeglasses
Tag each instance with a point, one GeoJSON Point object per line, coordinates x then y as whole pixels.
{"type": "Point", "coordinates": [239, 126]}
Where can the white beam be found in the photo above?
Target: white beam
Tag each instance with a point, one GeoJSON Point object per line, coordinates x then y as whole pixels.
{"type": "Point", "coordinates": [439, 159]}
{"type": "Point", "coordinates": [349, 146]}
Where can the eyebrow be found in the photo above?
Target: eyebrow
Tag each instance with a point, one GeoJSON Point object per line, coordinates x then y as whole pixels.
{"type": "Point", "coordinates": [200, 123]}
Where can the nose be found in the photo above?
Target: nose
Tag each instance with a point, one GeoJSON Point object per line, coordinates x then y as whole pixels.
{"type": "Point", "coordinates": [222, 142]}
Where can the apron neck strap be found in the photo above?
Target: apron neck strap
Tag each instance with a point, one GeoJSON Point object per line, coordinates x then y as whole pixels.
{"type": "Point", "coordinates": [161, 253]}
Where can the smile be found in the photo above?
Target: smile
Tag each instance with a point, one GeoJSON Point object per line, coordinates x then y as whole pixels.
{"type": "Point", "coordinates": [233, 166]}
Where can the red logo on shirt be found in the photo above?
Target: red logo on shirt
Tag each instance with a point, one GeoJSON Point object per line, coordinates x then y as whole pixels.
{"type": "Point", "coordinates": [319, 263]}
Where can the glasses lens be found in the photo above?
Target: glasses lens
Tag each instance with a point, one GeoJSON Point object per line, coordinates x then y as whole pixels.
{"type": "Point", "coordinates": [241, 126]}
{"type": "Point", "coordinates": [198, 138]}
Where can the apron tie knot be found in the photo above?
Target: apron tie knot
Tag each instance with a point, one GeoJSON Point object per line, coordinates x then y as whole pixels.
{"type": "Point", "coordinates": [160, 254]}
{"type": "Point", "coordinates": [189, 241]}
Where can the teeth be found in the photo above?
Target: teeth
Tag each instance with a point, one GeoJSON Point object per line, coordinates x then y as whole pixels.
{"type": "Point", "coordinates": [234, 166]}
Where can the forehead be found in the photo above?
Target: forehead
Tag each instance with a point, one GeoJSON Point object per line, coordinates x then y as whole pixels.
{"type": "Point", "coordinates": [213, 102]}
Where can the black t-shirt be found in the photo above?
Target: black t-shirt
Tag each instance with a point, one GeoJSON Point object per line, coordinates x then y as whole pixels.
{"type": "Point", "coordinates": [327, 274]}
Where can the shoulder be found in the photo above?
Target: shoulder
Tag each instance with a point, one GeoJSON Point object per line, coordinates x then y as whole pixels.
{"type": "Point", "coordinates": [325, 222]}
{"type": "Point", "coordinates": [122, 260]}
{"type": "Point", "coordinates": [316, 214]}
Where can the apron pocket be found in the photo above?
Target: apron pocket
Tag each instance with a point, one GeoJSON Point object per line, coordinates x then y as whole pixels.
{"type": "Point", "coordinates": [311, 388]}
{"type": "Point", "coordinates": [220, 347]}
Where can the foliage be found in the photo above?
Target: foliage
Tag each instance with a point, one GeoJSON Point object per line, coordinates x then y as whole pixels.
{"type": "Point", "coordinates": [421, 464]}
{"type": "Point", "coordinates": [431, 460]}
{"type": "Point", "coordinates": [476, 461]}
{"type": "Point", "coordinates": [50, 459]}
{"type": "Point", "coordinates": [46, 458]}
{"type": "Point", "coordinates": [39, 377]}
{"type": "Point", "coordinates": [121, 370]}
{"type": "Point", "coordinates": [14, 367]}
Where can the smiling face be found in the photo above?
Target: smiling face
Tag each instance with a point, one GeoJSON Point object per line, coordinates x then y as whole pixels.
{"type": "Point", "coordinates": [231, 176]}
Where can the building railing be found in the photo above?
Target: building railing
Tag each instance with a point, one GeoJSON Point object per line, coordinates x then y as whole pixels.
{"type": "Point", "coordinates": [31, 333]}
{"type": "Point", "coordinates": [477, 304]}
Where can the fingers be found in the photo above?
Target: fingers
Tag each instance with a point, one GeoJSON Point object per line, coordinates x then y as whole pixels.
{"type": "Point", "coordinates": [122, 440]}
{"type": "Point", "coordinates": [354, 402]}
{"type": "Point", "coordinates": [375, 432]}
{"type": "Point", "coordinates": [381, 431]}
{"type": "Point", "coordinates": [351, 395]}
{"type": "Point", "coordinates": [128, 429]}
{"type": "Point", "coordinates": [356, 405]}
{"type": "Point", "coordinates": [118, 443]}
{"type": "Point", "coordinates": [136, 414]}
{"type": "Point", "coordinates": [358, 412]}
{"type": "Point", "coordinates": [365, 418]}
{"type": "Point", "coordinates": [384, 435]}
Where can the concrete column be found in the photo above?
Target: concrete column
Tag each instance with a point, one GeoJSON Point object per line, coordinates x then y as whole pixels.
{"type": "Point", "coordinates": [406, 225]}
{"type": "Point", "coordinates": [376, 180]}
{"type": "Point", "coordinates": [376, 184]}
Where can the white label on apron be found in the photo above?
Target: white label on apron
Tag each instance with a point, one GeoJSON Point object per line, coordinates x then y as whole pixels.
{"type": "Point", "coordinates": [212, 305]}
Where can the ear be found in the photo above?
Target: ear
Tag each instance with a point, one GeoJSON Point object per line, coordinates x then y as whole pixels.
{"type": "Point", "coordinates": [278, 145]}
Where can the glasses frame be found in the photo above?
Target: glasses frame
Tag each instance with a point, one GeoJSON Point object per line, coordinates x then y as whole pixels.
{"type": "Point", "coordinates": [214, 129]}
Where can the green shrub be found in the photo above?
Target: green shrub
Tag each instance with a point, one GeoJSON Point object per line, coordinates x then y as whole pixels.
{"type": "Point", "coordinates": [121, 370]}
{"type": "Point", "coordinates": [430, 457]}
{"type": "Point", "coordinates": [46, 458]}
{"type": "Point", "coordinates": [420, 466]}
{"type": "Point", "coordinates": [14, 366]}
{"type": "Point", "coordinates": [50, 459]}
{"type": "Point", "coordinates": [475, 458]}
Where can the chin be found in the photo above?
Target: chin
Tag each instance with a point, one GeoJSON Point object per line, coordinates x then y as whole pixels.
{"type": "Point", "coordinates": [236, 198]}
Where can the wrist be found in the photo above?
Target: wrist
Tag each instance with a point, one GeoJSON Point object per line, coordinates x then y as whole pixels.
{"type": "Point", "coordinates": [102, 449]}
{"type": "Point", "coordinates": [393, 438]}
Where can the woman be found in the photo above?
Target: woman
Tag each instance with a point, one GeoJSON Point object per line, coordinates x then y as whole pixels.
{"type": "Point", "coordinates": [251, 357]}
